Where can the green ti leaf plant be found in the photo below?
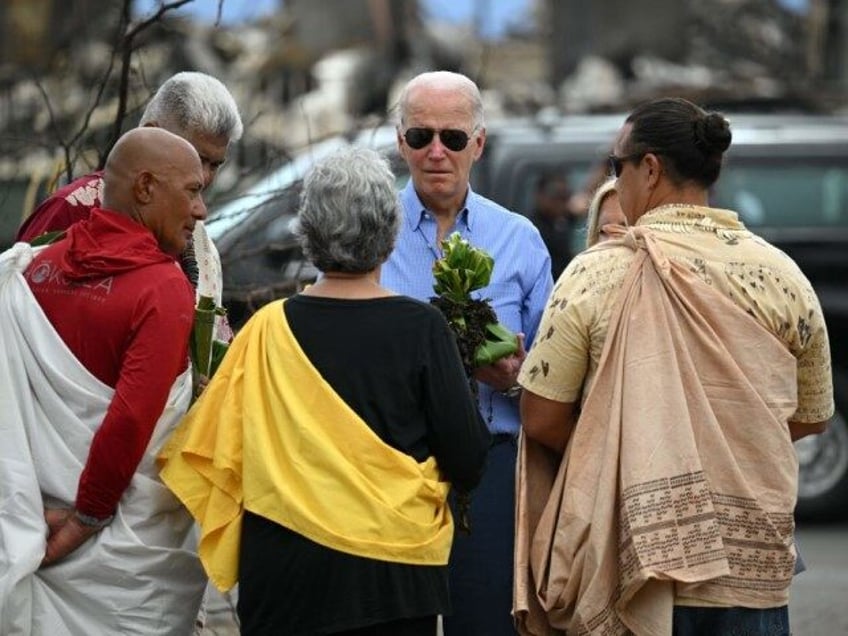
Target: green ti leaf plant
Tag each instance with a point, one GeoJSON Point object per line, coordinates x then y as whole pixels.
{"type": "Point", "coordinates": [461, 270]}
{"type": "Point", "coordinates": [206, 352]}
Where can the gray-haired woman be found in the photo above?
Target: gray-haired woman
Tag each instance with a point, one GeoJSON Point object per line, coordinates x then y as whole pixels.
{"type": "Point", "coordinates": [355, 417]}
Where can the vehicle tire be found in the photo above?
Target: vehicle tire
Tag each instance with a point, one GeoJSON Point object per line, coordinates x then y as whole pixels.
{"type": "Point", "coordinates": [823, 462]}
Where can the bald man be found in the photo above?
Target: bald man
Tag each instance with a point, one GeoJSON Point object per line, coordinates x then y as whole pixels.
{"type": "Point", "coordinates": [94, 375]}
{"type": "Point", "coordinates": [201, 110]}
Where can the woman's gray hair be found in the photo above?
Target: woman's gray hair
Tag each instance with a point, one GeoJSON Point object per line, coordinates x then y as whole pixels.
{"type": "Point", "coordinates": [349, 212]}
{"type": "Point", "coordinates": [191, 102]}
{"type": "Point", "coordinates": [593, 230]}
{"type": "Point", "coordinates": [443, 80]}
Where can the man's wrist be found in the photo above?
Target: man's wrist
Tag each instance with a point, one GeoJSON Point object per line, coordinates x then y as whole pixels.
{"type": "Point", "coordinates": [512, 392]}
{"type": "Point", "coordinates": [89, 521]}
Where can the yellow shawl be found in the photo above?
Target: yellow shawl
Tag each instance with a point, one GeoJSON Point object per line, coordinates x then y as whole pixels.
{"type": "Point", "coordinates": [680, 477]}
{"type": "Point", "coordinates": [269, 435]}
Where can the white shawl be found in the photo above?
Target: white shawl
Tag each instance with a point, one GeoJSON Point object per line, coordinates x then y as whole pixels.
{"type": "Point", "coordinates": [139, 575]}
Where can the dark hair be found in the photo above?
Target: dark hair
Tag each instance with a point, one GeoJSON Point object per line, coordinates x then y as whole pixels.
{"type": "Point", "coordinates": [690, 140]}
{"type": "Point", "coordinates": [549, 177]}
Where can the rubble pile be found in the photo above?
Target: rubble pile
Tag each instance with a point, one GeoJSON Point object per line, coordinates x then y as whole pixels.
{"type": "Point", "coordinates": [293, 94]}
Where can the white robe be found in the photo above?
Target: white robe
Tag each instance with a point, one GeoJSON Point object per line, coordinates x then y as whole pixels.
{"type": "Point", "coordinates": [140, 574]}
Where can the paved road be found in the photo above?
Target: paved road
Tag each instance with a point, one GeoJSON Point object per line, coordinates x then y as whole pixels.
{"type": "Point", "coordinates": [818, 606]}
{"type": "Point", "coordinates": [819, 602]}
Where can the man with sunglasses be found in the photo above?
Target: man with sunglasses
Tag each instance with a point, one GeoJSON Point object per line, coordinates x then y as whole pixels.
{"type": "Point", "coordinates": [679, 363]}
{"type": "Point", "coordinates": [441, 133]}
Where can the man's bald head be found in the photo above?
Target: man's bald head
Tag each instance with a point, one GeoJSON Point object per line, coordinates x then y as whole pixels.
{"type": "Point", "coordinates": [155, 177]}
{"type": "Point", "coordinates": [140, 151]}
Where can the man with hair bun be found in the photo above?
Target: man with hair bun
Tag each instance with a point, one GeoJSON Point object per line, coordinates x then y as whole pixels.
{"type": "Point", "coordinates": [678, 363]}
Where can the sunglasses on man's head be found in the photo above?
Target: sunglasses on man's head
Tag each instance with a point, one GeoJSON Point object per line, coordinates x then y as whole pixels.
{"type": "Point", "coordinates": [452, 138]}
{"type": "Point", "coordinates": [617, 163]}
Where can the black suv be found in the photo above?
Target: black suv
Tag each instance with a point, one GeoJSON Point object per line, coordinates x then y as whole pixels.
{"type": "Point", "coordinates": [786, 175]}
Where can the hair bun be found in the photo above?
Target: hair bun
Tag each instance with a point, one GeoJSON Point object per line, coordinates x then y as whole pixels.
{"type": "Point", "coordinates": [712, 133]}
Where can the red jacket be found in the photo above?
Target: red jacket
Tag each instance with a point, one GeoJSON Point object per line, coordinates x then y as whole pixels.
{"type": "Point", "coordinates": [64, 207]}
{"type": "Point", "coordinates": [125, 310]}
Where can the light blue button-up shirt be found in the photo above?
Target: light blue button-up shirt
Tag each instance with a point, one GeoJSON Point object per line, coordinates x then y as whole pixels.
{"type": "Point", "coordinates": [521, 279]}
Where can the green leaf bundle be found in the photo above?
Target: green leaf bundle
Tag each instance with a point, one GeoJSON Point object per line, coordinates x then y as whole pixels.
{"type": "Point", "coordinates": [206, 352]}
{"type": "Point", "coordinates": [463, 269]}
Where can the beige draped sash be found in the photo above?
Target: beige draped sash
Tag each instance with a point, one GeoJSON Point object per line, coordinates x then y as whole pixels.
{"type": "Point", "coordinates": [680, 477]}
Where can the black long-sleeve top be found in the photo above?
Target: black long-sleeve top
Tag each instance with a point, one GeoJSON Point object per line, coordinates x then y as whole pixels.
{"type": "Point", "coordinates": [394, 361]}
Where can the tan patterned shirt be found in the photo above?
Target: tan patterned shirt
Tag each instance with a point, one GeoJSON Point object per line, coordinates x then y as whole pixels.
{"type": "Point", "coordinates": [758, 277]}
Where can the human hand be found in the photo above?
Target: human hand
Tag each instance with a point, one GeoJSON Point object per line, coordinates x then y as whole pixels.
{"type": "Point", "coordinates": [55, 518]}
{"type": "Point", "coordinates": [65, 533]}
{"type": "Point", "coordinates": [202, 382]}
{"type": "Point", "coordinates": [503, 374]}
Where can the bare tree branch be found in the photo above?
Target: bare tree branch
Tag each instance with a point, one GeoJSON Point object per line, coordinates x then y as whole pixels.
{"type": "Point", "coordinates": [68, 145]}
{"type": "Point", "coordinates": [126, 63]}
{"type": "Point", "coordinates": [101, 88]}
{"type": "Point", "coordinates": [156, 17]}
{"type": "Point", "coordinates": [54, 125]}
{"type": "Point", "coordinates": [127, 50]}
{"type": "Point", "coordinates": [124, 45]}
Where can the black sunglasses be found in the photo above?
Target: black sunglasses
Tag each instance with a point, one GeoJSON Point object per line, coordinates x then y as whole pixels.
{"type": "Point", "coordinates": [617, 163]}
{"type": "Point", "coordinates": [452, 139]}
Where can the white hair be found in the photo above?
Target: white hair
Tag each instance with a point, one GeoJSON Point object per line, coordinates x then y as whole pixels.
{"type": "Point", "coordinates": [194, 102]}
{"type": "Point", "coordinates": [444, 80]}
{"type": "Point", "coordinates": [349, 213]}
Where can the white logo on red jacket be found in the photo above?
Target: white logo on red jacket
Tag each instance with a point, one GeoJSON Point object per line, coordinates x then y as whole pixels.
{"type": "Point", "coordinates": [47, 272]}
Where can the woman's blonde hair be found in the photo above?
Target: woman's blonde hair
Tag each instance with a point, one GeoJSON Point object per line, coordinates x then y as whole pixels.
{"type": "Point", "coordinates": [593, 230]}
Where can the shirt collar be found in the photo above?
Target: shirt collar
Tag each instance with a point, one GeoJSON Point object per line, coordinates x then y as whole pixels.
{"type": "Point", "coordinates": [696, 216]}
{"type": "Point", "coordinates": [414, 209]}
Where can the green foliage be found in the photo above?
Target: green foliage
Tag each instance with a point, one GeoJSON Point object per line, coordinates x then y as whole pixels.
{"type": "Point", "coordinates": [500, 342]}
{"type": "Point", "coordinates": [206, 352]}
{"type": "Point", "coordinates": [462, 269]}
{"type": "Point", "coordinates": [47, 238]}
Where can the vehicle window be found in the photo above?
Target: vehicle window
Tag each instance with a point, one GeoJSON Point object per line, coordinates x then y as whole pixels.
{"type": "Point", "coordinates": [800, 192]}
{"type": "Point", "coordinates": [526, 175]}
{"type": "Point", "coordinates": [580, 175]}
